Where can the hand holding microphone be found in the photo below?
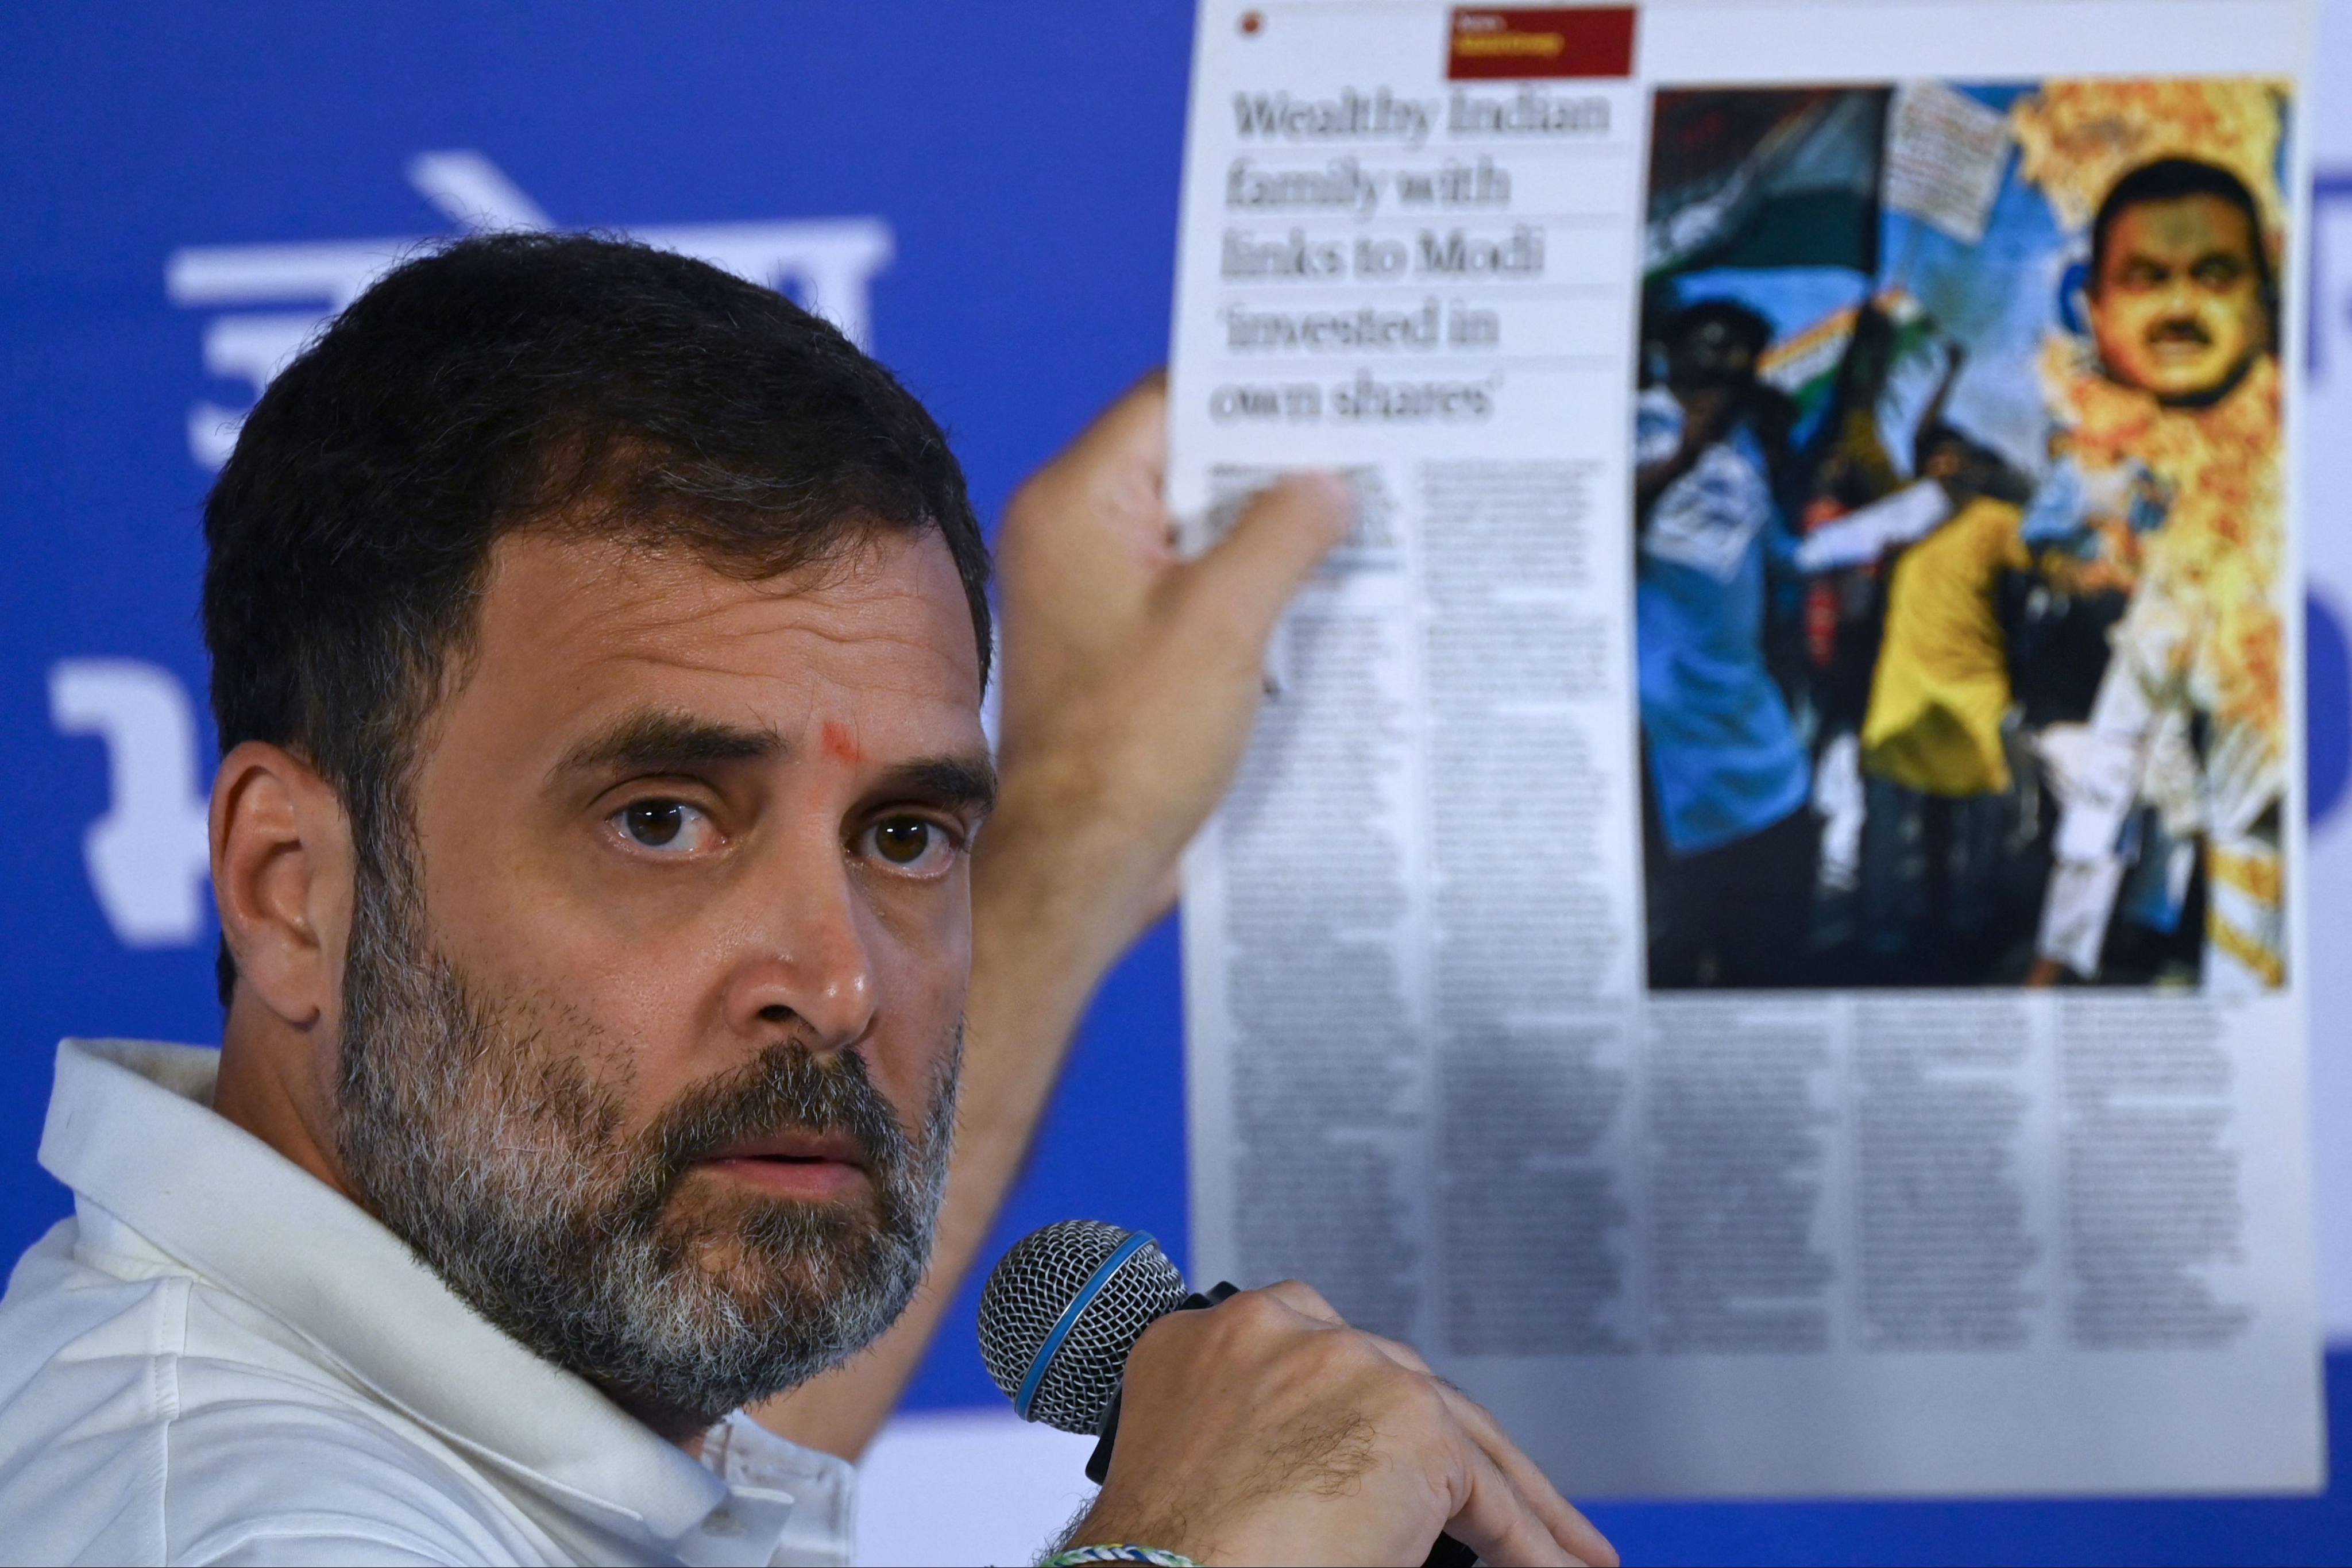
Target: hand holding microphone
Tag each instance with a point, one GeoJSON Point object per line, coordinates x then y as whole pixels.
{"type": "Point", "coordinates": [1263, 1428]}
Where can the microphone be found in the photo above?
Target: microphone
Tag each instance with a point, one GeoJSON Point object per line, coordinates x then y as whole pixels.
{"type": "Point", "coordinates": [1060, 1312]}
{"type": "Point", "coordinates": [1058, 1316]}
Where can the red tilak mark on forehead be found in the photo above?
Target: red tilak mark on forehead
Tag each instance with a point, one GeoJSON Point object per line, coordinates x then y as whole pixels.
{"type": "Point", "coordinates": [839, 744]}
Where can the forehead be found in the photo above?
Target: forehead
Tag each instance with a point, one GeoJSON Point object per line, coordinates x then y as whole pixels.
{"type": "Point", "coordinates": [570, 630]}
{"type": "Point", "coordinates": [2183, 225]}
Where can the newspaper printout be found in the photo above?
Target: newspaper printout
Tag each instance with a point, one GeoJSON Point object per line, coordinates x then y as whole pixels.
{"type": "Point", "coordinates": [1761, 927]}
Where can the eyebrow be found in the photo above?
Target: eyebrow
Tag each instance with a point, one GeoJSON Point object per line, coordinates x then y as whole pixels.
{"type": "Point", "coordinates": [667, 743]}
{"type": "Point", "coordinates": [961, 783]}
{"type": "Point", "coordinates": [657, 741]}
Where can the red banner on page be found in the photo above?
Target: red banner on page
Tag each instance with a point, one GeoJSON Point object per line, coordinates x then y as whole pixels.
{"type": "Point", "coordinates": [1491, 42]}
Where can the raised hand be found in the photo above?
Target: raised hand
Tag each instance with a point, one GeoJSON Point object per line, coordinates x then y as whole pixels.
{"type": "Point", "coordinates": [1132, 676]}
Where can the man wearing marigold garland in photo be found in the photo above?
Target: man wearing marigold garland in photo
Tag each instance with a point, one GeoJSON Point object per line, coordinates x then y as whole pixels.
{"type": "Point", "coordinates": [2185, 744]}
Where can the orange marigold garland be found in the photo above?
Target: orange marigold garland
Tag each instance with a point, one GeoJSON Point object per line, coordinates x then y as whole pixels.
{"type": "Point", "coordinates": [2220, 550]}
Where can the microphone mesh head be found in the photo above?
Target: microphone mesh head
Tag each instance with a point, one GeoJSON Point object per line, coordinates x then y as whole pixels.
{"type": "Point", "coordinates": [1035, 1284]}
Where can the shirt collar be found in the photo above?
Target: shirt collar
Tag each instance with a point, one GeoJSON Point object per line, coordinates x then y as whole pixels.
{"type": "Point", "coordinates": [131, 1129]}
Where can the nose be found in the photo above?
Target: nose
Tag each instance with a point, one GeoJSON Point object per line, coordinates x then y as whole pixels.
{"type": "Point", "coordinates": [809, 967]}
{"type": "Point", "coordinates": [2182, 298]}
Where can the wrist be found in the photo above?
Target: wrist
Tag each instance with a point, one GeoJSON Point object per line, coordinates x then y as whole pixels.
{"type": "Point", "coordinates": [1120, 1526]}
{"type": "Point", "coordinates": [1119, 1551]}
{"type": "Point", "coordinates": [1055, 884]}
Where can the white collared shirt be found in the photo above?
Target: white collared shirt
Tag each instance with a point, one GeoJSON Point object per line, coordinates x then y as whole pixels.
{"type": "Point", "coordinates": [221, 1360]}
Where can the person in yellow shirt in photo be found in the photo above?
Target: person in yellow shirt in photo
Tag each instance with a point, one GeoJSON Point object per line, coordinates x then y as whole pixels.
{"type": "Point", "coordinates": [1934, 759]}
{"type": "Point", "coordinates": [1941, 689]}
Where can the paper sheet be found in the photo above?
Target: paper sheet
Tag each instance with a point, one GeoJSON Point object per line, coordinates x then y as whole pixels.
{"type": "Point", "coordinates": [1527, 1018]}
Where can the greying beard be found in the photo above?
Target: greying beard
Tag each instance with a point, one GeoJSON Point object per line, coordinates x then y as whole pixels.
{"type": "Point", "coordinates": [487, 1145]}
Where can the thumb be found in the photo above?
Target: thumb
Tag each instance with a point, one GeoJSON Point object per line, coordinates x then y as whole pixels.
{"type": "Point", "coordinates": [1251, 574]}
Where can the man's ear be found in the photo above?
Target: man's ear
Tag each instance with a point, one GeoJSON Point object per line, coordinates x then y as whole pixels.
{"type": "Point", "coordinates": [282, 875]}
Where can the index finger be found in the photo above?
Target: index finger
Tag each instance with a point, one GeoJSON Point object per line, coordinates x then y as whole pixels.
{"type": "Point", "coordinates": [1575, 1534]}
{"type": "Point", "coordinates": [1566, 1521]}
{"type": "Point", "coordinates": [1496, 1521]}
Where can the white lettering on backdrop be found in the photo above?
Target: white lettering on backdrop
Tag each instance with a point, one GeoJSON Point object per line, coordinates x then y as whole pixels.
{"type": "Point", "coordinates": [827, 264]}
{"type": "Point", "coordinates": [148, 857]}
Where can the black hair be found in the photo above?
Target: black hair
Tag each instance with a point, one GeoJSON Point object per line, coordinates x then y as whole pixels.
{"type": "Point", "coordinates": [1985, 469]}
{"type": "Point", "coordinates": [1747, 323]}
{"type": "Point", "coordinates": [2172, 180]}
{"type": "Point", "coordinates": [574, 382]}
{"type": "Point", "coordinates": [1929, 437]}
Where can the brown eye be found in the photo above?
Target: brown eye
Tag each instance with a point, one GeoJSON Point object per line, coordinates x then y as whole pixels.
{"type": "Point", "coordinates": [903, 841]}
{"type": "Point", "coordinates": [911, 846]}
{"type": "Point", "coordinates": [670, 825]}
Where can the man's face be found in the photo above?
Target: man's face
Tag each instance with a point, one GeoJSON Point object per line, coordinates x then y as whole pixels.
{"type": "Point", "coordinates": [1709, 353]}
{"type": "Point", "coordinates": [654, 1055]}
{"type": "Point", "coordinates": [2178, 305]}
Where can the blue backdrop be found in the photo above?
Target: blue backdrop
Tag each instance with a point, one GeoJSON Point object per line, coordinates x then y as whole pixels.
{"type": "Point", "coordinates": [1022, 173]}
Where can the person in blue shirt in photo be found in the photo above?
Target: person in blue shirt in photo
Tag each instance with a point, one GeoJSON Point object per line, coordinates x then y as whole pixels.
{"type": "Point", "coordinates": [1733, 842]}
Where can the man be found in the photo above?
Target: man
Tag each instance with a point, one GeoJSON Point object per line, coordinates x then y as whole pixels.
{"type": "Point", "coordinates": [1844, 478]}
{"type": "Point", "coordinates": [2182, 302]}
{"type": "Point", "coordinates": [1733, 840]}
{"type": "Point", "coordinates": [598, 644]}
{"type": "Point", "coordinates": [2189, 721]}
{"type": "Point", "coordinates": [1933, 746]}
